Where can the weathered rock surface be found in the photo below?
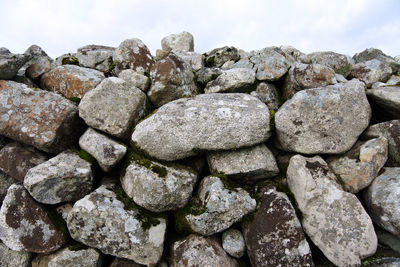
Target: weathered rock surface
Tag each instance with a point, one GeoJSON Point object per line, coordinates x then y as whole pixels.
{"type": "Point", "coordinates": [273, 235]}
{"type": "Point", "coordinates": [292, 54]}
{"type": "Point", "coordinates": [206, 75]}
{"type": "Point", "coordinates": [222, 207]}
{"type": "Point", "coordinates": [16, 159]}
{"type": "Point", "coordinates": [96, 57]}
{"type": "Point", "coordinates": [381, 198]}
{"type": "Point", "coordinates": [371, 71]}
{"type": "Point", "coordinates": [68, 258]}
{"type": "Point", "coordinates": [71, 81]}
{"type": "Point", "coordinates": [233, 80]}
{"type": "Point", "coordinates": [39, 118]}
{"type": "Point", "coordinates": [373, 53]}
{"type": "Point", "coordinates": [106, 151]}
{"type": "Point", "coordinates": [269, 64]}
{"type": "Point", "coordinates": [388, 239]}
{"type": "Point", "coordinates": [334, 219]}
{"type": "Point", "coordinates": [171, 79]}
{"type": "Point", "coordinates": [11, 258]}
{"type": "Point", "coordinates": [246, 165]}
{"type": "Point", "coordinates": [25, 225]}
{"type": "Point", "coordinates": [218, 56]}
{"type": "Point", "coordinates": [358, 168]}
{"type": "Point", "coordinates": [193, 59]}
{"type": "Point", "coordinates": [233, 243]}
{"type": "Point", "coordinates": [114, 107]}
{"type": "Point", "coordinates": [10, 63]}
{"type": "Point", "coordinates": [100, 220]}
{"type": "Point", "coordinates": [66, 177]}
{"type": "Point", "coordinates": [323, 120]}
{"type": "Point", "coordinates": [183, 127]}
{"type": "Point", "coordinates": [136, 79]}
{"type": "Point", "coordinates": [182, 42]}
{"type": "Point", "coordinates": [197, 250]}
{"type": "Point", "coordinates": [268, 94]}
{"type": "Point", "coordinates": [38, 64]}
{"type": "Point", "coordinates": [388, 98]}
{"type": "Point", "coordinates": [158, 187]}
{"type": "Point", "coordinates": [5, 182]}
{"type": "Point", "coordinates": [340, 63]}
{"type": "Point", "coordinates": [133, 54]}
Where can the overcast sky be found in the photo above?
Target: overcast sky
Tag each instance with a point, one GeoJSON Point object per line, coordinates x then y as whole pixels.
{"type": "Point", "coordinates": [61, 26]}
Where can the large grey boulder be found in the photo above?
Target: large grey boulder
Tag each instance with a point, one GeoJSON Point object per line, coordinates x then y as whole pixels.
{"type": "Point", "coordinates": [273, 235]}
{"type": "Point", "coordinates": [158, 187]}
{"type": "Point", "coordinates": [96, 57]}
{"type": "Point", "coordinates": [10, 63]}
{"type": "Point", "coordinates": [371, 71]}
{"type": "Point", "coordinates": [269, 64]}
{"type": "Point", "coordinates": [67, 257]}
{"type": "Point", "coordinates": [246, 165]}
{"type": "Point", "coordinates": [66, 177]}
{"type": "Point", "coordinates": [25, 225]}
{"type": "Point", "coordinates": [186, 126]}
{"type": "Point", "coordinates": [233, 80]}
{"type": "Point", "coordinates": [233, 243]}
{"type": "Point", "coordinates": [340, 63]}
{"type": "Point", "coordinates": [45, 120]}
{"type": "Point", "coordinates": [182, 41]}
{"type": "Point", "coordinates": [335, 220]}
{"type": "Point", "coordinates": [324, 120]}
{"type": "Point", "coordinates": [11, 258]}
{"type": "Point", "coordinates": [388, 98]}
{"type": "Point", "coordinates": [381, 199]}
{"type": "Point", "coordinates": [114, 107]}
{"type": "Point", "coordinates": [107, 221]}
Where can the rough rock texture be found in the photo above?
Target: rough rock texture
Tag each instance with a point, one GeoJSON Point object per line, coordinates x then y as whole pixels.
{"type": "Point", "coordinates": [273, 235]}
{"type": "Point", "coordinates": [381, 198]}
{"type": "Point", "coordinates": [292, 54]}
{"type": "Point", "coordinates": [391, 131]}
{"type": "Point", "coordinates": [323, 120]}
{"type": "Point", "coordinates": [197, 250]}
{"type": "Point", "coordinates": [39, 118]}
{"type": "Point", "coordinates": [25, 225]}
{"type": "Point", "coordinates": [106, 151]}
{"type": "Point", "coordinates": [373, 53]}
{"type": "Point", "coordinates": [341, 64]}
{"type": "Point", "coordinates": [10, 63]}
{"type": "Point", "coordinates": [182, 42]}
{"type": "Point", "coordinates": [158, 187]}
{"type": "Point", "coordinates": [66, 177]}
{"type": "Point", "coordinates": [388, 98]}
{"type": "Point", "coordinates": [11, 258]}
{"type": "Point", "coordinates": [269, 64]}
{"type": "Point", "coordinates": [233, 243]}
{"type": "Point", "coordinates": [68, 258]}
{"type": "Point", "coordinates": [246, 165]}
{"type": "Point", "coordinates": [97, 57]}
{"type": "Point", "coordinates": [371, 71]}
{"type": "Point", "coordinates": [388, 239]}
{"type": "Point", "coordinates": [183, 127]}
{"type": "Point", "coordinates": [195, 60]}
{"type": "Point", "coordinates": [223, 206]}
{"type": "Point", "coordinates": [206, 75]}
{"type": "Point", "coordinates": [16, 159]}
{"type": "Point", "coordinates": [171, 79]}
{"type": "Point", "coordinates": [133, 54]}
{"type": "Point", "coordinates": [71, 81]}
{"type": "Point", "coordinates": [268, 94]}
{"type": "Point", "coordinates": [334, 220]}
{"type": "Point", "coordinates": [358, 168]}
{"type": "Point", "coordinates": [218, 56]}
{"type": "Point", "coordinates": [64, 210]}
{"type": "Point", "coordinates": [233, 80]}
{"type": "Point", "coordinates": [114, 107]}
{"type": "Point", "coordinates": [102, 221]}
{"type": "Point", "coordinates": [136, 79]}
{"type": "Point", "coordinates": [38, 64]}
{"type": "Point", "coordinates": [120, 262]}
{"type": "Point", "coordinates": [5, 182]}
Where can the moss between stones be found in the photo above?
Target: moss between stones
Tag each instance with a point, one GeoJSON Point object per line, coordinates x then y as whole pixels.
{"type": "Point", "coordinates": [210, 61]}
{"type": "Point", "coordinates": [193, 207]}
{"type": "Point", "coordinates": [228, 183]}
{"type": "Point", "coordinates": [111, 68]}
{"type": "Point", "coordinates": [272, 119]}
{"type": "Point", "coordinates": [86, 156]}
{"type": "Point", "coordinates": [357, 156]}
{"type": "Point", "coordinates": [75, 99]}
{"type": "Point", "coordinates": [70, 61]}
{"type": "Point", "coordinates": [59, 223]}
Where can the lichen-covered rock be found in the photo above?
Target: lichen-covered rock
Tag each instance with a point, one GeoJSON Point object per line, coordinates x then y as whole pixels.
{"type": "Point", "coordinates": [292, 54]}
{"type": "Point", "coordinates": [359, 166]}
{"type": "Point", "coordinates": [101, 220]}
{"type": "Point", "coordinates": [382, 198]}
{"type": "Point", "coordinates": [340, 63]}
{"type": "Point", "coordinates": [38, 64]}
{"type": "Point", "coordinates": [304, 76]}
{"type": "Point", "coordinates": [66, 59]}
{"type": "Point", "coordinates": [273, 235]}
{"type": "Point", "coordinates": [218, 56]}
{"type": "Point", "coordinates": [114, 107]}
{"type": "Point", "coordinates": [335, 220]}
{"type": "Point", "coordinates": [5, 182]}
{"type": "Point", "coordinates": [39, 118]}
{"type": "Point", "coordinates": [96, 57]}
{"type": "Point", "coordinates": [66, 177]}
{"type": "Point", "coordinates": [171, 78]}
{"type": "Point", "coordinates": [10, 63]}
{"type": "Point", "coordinates": [186, 126]}
{"type": "Point", "coordinates": [71, 81]}
{"type": "Point", "coordinates": [233, 243]}
{"type": "Point", "coordinates": [206, 75]}
{"type": "Point", "coordinates": [373, 53]}
{"type": "Point", "coordinates": [196, 250]}
{"type": "Point", "coordinates": [68, 258]}
{"type": "Point", "coordinates": [182, 41]}
{"type": "Point", "coordinates": [233, 80]}
{"type": "Point", "coordinates": [25, 225]}
{"type": "Point", "coordinates": [388, 98]}
{"type": "Point", "coordinates": [136, 79]}
{"type": "Point", "coordinates": [324, 120]}
{"type": "Point", "coordinates": [158, 187]}
{"type": "Point", "coordinates": [222, 206]}
{"type": "Point", "coordinates": [133, 54]}
{"type": "Point", "coordinates": [246, 165]}
{"type": "Point", "coordinates": [268, 94]}
{"type": "Point", "coordinates": [195, 60]}
{"type": "Point", "coordinates": [371, 71]}
{"type": "Point", "coordinates": [106, 151]}
{"type": "Point", "coordinates": [16, 159]}
{"type": "Point", "coordinates": [269, 64]}
{"type": "Point", "coordinates": [11, 258]}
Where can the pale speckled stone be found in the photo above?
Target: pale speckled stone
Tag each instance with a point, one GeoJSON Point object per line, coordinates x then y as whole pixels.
{"type": "Point", "coordinates": [136, 79]}
{"type": "Point", "coordinates": [182, 41]}
{"type": "Point", "coordinates": [66, 177]}
{"type": "Point", "coordinates": [269, 64]}
{"type": "Point", "coordinates": [233, 243]}
{"type": "Point", "coordinates": [268, 94]}
{"type": "Point", "coordinates": [68, 258]}
{"type": "Point", "coordinates": [195, 60]}
{"type": "Point", "coordinates": [106, 151]}
{"type": "Point", "coordinates": [186, 126]}
{"type": "Point", "coordinates": [292, 54]}
{"type": "Point", "coordinates": [340, 63]}
{"type": "Point", "coordinates": [335, 220]}
{"type": "Point", "coordinates": [11, 258]}
{"type": "Point", "coordinates": [371, 71]}
{"type": "Point", "coordinates": [233, 80]}
{"type": "Point", "coordinates": [100, 220]}
{"type": "Point", "coordinates": [388, 98]}
{"type": "Point", "coordinates": [325, 120]}
{"type": "Point", "coordinates": [96, 57]}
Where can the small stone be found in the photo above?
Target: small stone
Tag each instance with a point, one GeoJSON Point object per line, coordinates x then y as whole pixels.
{"type": "Point", "coordinates": [394, 80]}
{"type": "Point", "coordinates": [66, 59]}
{"type": "Point", "coordinates": [371, 71]}
{"type": "Point", "coordinates": [246, 165]}
{"type": "Point", "coordinates": [340, 78]}
{"type": "Point", "coordinates": [160, 54]}
{"type": "Point", "coordinates": [11, 258]}
{"type": "Point", "coordinates": [195, 60]}
{"type": "Point", "coordinates": [66, 177]}
{"type": "Point", "coordinates": [114, 107]}
{"type": "Point", "coordinates": [182, 42]}
{"type": "Point", "coordinates": [341, 64]}
{"type": "Point", "coordinates": [233, 243]}
{"type": "Point", "coordinates": [268, 94]}
{"type": "Point", "coordinates": [292, 53]}
{"type": "Point", "coordinates": [206, 75]}
{"type": "Point", "coordinates": [5, 182]}
{"type": "Point", "coordinates": [136, 79]}
{"type": "Point", "coordinates": [39, 62]}
{"type": "Point", "coordinates": [64, 210]}
{"type": "Point", "coordinates": [373, 53]}
{"type": "Point", "coordinates": [388, 98]}
{"type": "Point", "coordinates": [96, 57]}
{"type": "Point", "coordinates": [269, 64]}
{"type": "Point", "coordinates": [234, 81]}
{"type": "Point", "coordinates": [25, 225]}
{"type": "Point", "coordinates": [71, 81]}
{"type": "Point", "coordinates": [218, 56]}
{"type": "Point", "coordinates": [10, 63]}
{"type": "Point", "coordinates": [66, 257]}
{"type": "Point", "coordinates": [106, 151]}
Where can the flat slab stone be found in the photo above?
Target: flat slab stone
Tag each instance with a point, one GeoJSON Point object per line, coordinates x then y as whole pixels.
{"type": "Point", "coordinates": [186, 126]}
{"type": "Point", "coordinates": [233, 80]}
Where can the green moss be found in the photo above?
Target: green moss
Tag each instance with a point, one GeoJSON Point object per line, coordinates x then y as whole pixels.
{"type": "Point", "coordinates": [59, 223]}
{"type": "Point", "coordinates": [345, 70]}
{"type": "Point", "coordinates": [228, 183]}
{"type": "Point", "coordinates": [210, 61]}
{"type": "Point", "coordinates": [70, 61]}
{"type": "Point", "coordinates": [35, 89]}
{"type": "Point", "coordinates": [111, 68]}
{"type": "Point", "coordinates": [193, 207]}
{"type": "Point", "coordinates": [357, 156]}
{"type": "Point", "coordinates": [75, 99]}
{"type": "Point", "coordinates": [161, 171]}
{"type": "Point", "coordinates": [86, 156]}
{"type": "Point", "coordinates": [272, 119]}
